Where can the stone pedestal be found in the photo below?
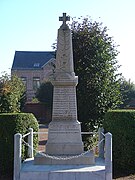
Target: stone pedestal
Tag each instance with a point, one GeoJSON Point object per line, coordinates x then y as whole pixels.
{"type": "Point", "coordinates": [64, 138]}
{"type": "Point", "coordinates": [64, 134]}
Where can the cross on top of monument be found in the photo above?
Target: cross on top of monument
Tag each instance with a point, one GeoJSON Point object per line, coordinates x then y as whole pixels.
{"type": "Point", "coordinates": [64, 18]}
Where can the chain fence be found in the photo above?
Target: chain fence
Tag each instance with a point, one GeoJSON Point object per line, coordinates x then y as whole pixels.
{"type": "Point", "coordinates": [63, 157]}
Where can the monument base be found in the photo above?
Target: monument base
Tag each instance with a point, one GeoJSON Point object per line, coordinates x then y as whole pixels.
{"type": "Point", "coordinates": [64, 138]}
{"type": "Point", "coordinates": [63, 172]}
{"type": "Point", "coordinates": [87, 159]}
{"type": "Point", "coordinates": [64, 148]}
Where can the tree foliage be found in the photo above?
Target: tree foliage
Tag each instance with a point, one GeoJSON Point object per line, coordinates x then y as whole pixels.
{"type": "Point", "coordinates": [45, 93]}
{"type": "Point", "coordinates": [12, 94]}
{"type": "Point", "coordinates": [128, 93]}
{"type": "Point", "coordinates": [96, 65]}
{"type": "Point", "coordinates": [99, 87]}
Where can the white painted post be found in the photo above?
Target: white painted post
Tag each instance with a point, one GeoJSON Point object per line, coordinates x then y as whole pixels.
{"type": "Point", "coordinates": [17, 155]}
{"type": "Point", "coordinates": [108, 156]}
{"type": "Point", "coordinates": [101, 145]}
{"type": "Point", "coordinates": [30, 142]}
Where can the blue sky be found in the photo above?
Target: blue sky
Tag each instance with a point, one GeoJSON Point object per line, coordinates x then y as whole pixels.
{"type": "Point", "coordinates": [31, 25]}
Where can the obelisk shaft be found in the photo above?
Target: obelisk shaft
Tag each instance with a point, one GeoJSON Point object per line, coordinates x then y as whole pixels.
{"type": "Point", "coordinates": [64, 56]}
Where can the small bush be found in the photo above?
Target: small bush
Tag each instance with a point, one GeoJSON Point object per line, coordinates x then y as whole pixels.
{"type": "Point", "coordinates": [121, 123]}
{"type": "Point", "coordinates": [10, 124]}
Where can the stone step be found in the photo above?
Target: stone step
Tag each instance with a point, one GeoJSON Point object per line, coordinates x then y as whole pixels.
{"type": "Point", "coordinates": [30, 171]}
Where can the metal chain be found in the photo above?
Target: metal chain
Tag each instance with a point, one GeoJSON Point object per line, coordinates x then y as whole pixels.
{"type": "Point", "coordinates": [61, 157]}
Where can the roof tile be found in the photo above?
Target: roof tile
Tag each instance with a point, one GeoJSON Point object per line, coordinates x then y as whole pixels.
{"type": "Point", "coordinates": [31, 59]}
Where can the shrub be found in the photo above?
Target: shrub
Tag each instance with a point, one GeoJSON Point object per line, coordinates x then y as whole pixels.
{"type": "Point", "coordinates": [12, 94]}
{"type": "Point", "coordinates": [121, 123]}
{"type": "Point", "coordinates": [10, 124]}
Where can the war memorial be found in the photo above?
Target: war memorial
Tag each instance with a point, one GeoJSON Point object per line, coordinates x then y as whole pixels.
{"type": "Point", "coordinates": [65, 157]}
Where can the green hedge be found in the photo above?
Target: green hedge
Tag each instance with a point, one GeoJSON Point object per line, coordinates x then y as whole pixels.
{"type": "Point", "coordinates": [121, 123]}
{"type": "Point", "coordinates": [10, 124]}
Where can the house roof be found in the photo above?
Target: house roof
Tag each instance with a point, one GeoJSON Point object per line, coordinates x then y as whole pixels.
{"type": "Point", "coordinates": [31, 59]}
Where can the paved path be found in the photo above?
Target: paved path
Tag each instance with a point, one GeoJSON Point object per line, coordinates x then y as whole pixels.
{"type": "Point", "coordinates": [42, 137]}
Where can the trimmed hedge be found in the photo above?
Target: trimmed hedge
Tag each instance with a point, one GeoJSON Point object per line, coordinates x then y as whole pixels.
{"type": "Point", "coordinates": [10, 124]}
{"type": "Point", "coordinates": [121, 123]}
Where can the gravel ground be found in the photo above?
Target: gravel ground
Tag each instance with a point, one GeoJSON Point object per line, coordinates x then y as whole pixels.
{"type": "Point", "coordinates": [127, 177]}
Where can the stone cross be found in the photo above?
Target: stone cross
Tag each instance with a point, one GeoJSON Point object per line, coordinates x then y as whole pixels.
{"type": "Point", "coordinates": [64, 18]}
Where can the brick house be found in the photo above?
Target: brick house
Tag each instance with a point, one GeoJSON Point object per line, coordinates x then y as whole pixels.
{"type": "Point", "coordinates": [33, 67]}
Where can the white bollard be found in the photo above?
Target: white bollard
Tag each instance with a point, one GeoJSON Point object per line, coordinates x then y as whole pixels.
{"type": "Point", "coordinates": [30, 142]}
{"type": "Point", "coordinates": [108, 156]}
{"type": "Point", "coordinates": [17, 155]}
{"type": "Point", "coordinates": [101, 145]}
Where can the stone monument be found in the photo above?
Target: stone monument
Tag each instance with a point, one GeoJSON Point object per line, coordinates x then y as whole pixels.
{"type": "Point", "coordinates": [64, 134]}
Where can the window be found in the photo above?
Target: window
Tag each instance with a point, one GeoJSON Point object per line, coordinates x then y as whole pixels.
{"type": "Point", "coordinates": [24, 80]}
{"type": "Point", "coordinates": [36, 64]}
{"type": "Point", "coordinates": [36, 83]}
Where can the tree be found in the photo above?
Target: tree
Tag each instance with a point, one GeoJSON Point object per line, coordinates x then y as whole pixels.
{"type": "Point", "coordinates": [96, 65]}
{"type": "Point", "coordinates": [45, 94]}
{"type": "Point", "coordinates": [12, 94]}
{"type": "Point", "coordinates": [128, 92]}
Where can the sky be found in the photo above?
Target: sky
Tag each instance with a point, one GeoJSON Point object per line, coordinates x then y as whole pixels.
{"type": "Point", "coordinates": [31, 25]}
